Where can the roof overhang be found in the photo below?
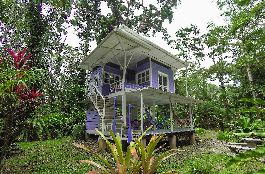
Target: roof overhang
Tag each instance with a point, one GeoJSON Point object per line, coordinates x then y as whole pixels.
{"type": "Point", "coordinates": [123, 39]}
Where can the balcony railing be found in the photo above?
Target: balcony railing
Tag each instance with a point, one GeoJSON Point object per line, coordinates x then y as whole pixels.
{"type": "Point", "coordinates": [116, 86]}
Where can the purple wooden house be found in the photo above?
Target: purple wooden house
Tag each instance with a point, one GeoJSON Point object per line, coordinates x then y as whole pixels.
{"type": "Point", "coordinates": [129, 77]}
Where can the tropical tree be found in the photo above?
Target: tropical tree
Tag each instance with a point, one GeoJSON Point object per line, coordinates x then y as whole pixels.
{"type": "Point", "coordinates": [246, 25]}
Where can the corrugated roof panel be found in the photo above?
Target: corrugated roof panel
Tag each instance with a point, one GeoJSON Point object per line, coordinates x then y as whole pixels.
{"type": "Point", "coordinates": [124, 38]}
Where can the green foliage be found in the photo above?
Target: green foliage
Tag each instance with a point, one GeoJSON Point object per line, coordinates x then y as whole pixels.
{"type": "Point", "coordinates": [246, 124]}
{"type": "Point", "coordinates": [136, 159]}
{"type": "Point", "coordinates": [54, 125]}
{"type": "Point", "coordinates": [199, 131]}
{"type": "Point", "coordinates": [18, 96]}
{"type": "Point", "coordinates": [258, 106]}
{"type": "Point", "coordinates": [218, 163]}
{"type": "Point", "coordinates": [249, 156]}
{"type": "Point", "coordinates": [226, 136]}
{"type": "Point", "coordinates": [95, 25]}
{"type": "Point", "coordinates": [59, 156]}
{"type": "Point", "coordinates": [251, 118]}
{"type": "Point", "coordinates": [78, 132]}
{"type": "Point", "coordinates": [260, 134]}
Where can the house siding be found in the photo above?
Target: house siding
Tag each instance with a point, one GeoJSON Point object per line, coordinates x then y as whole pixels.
{"type": "Point", "coordinates": [159, 68]}
{"type": "Point", "coordinates": [113, 70]}
{"type": "Point", "coordinates": [92, 119]}
{"type": "Point", "coordinates": [131, 75]}
{"type": "Point", "coordinates": [142, 67]}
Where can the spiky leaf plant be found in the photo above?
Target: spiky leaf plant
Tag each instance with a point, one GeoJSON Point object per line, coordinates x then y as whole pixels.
{"type": "Point", "coordinates": [135, 160]}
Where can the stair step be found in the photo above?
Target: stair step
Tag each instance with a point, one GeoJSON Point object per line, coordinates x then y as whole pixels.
{"type": "Point", "coordinates": [111, 120]}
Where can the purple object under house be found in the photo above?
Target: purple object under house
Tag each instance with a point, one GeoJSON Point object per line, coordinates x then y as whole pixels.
{"type": "Point", "coordinates": [92, 119]}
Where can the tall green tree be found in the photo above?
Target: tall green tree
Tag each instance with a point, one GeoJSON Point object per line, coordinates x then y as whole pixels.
{"type": "Point", "coordinates": [188, 42]}
{"type": "Point", "coordinates": [93, 24]}
{"type": "Point", "coordinates": [246, 25]}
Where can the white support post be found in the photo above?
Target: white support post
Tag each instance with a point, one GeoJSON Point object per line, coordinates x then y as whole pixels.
{"type": "Point", "coordinates": [97, 100]}
{"type": "Point", "coordinates": [152, 108]}
{"type": "Point", "coordinates": [142, 113]}
{"type": "Point", "coordinates": [104, 107]}
{"type": "Point", "coordinates": [171, 117]}
{"type": "Point", "coordinates": [176, 117]}
{"type": "Point", "coordinates": [190, 111]}
{"type": "Point", "coordinates": [124, 108]}
{"type": "Point", "coordinates": [102, 125]}
{"type": "Point", "coordinates": [124, 72]}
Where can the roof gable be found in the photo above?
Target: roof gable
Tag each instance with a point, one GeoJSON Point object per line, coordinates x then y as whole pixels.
{"type": "Point", "coordinates": [122, 39]}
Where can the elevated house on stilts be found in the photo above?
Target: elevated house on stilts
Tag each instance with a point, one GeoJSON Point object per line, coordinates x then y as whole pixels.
{"type": "Point", "coordinates": [129, 77]}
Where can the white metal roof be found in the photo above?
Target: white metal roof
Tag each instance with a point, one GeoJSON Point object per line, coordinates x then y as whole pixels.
{"type": "Point", "coordinates": [112, 47]}
{"type": "Point", "coordinates": [153, 96]}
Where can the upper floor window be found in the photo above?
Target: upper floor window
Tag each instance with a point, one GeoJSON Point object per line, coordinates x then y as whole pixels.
{"type": "Point", "coordinates": [143, 77]}
{"type": "Point", "coordinates": [163, 81]}
{"type": "Point", "coordinates": [110, 78]}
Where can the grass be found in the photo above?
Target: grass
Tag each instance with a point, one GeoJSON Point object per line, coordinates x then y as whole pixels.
{"type": "Point", "coordinates": [52, 156]}
{"type": "Point", "coordinates": [60, 156]}
{"type": "Point", "coordinates": [211, 163]}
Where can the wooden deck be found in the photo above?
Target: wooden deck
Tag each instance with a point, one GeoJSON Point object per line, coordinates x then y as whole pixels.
{"type": "Point", "coordinates": [168, 131]}
{"type": "Point", "coordinates": [154, 132]}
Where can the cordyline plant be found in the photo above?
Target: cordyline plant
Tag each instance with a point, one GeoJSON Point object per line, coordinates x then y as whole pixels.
{"type": "Point", "coordinates": [136, 160]}
{"type": "Point", "coordinates": [18, 96]}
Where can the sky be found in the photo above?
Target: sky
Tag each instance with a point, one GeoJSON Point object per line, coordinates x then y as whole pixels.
{"type": "Point", "coordinates": [197, 12]}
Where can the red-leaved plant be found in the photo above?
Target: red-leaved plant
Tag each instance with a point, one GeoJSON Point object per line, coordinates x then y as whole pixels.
{"type": "Point", "coordinates": [20, 58]}
{"type": "Point", "coordinates": [18, 96]}
{"type": "Point", "coordinates": [20, 63]}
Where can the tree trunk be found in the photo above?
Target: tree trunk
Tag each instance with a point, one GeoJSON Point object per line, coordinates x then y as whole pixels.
{"type": "Point", "coordinates": [250, 79]}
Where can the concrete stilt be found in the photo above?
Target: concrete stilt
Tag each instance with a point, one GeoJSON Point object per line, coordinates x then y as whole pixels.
{"type": "Point", "coordinates": [143, 141]}
{"type": "Point", "coordinates": [192, 138]}
{"type": "Point", "coordinates": [172, 141]}
{"type": "Point", "coordinates": [102, 144]}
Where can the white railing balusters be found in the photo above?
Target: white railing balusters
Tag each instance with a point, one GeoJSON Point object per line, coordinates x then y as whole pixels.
{"type": "Point", "coordinates": [93, 91]}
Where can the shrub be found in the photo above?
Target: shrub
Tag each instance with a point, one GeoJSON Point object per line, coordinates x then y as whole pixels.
{"type": "Point", "coordinates": [78, 132]}
{"type": "Point", "coordinates": [18, 96]}
{"type": "Point", "coordinates": [225, 136]}
{"type": "Point", "coordinates": [52, 125]}
{"type": "Point", "coordinates": [199, 131]}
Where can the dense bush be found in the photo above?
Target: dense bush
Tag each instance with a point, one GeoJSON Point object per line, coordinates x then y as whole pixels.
{"type": "Point", "coordinates": [78, 132]}
{"type": "Point", "coordinates": [52, 125]}
{"type": "Point", "coordinates": [200, 131]}
{"type": "Point", "coordinates": [18, 96]}
{"type": "Point", "coordinates": [247, 124]}
{"type": "Point", "coordinates": [225, 136]}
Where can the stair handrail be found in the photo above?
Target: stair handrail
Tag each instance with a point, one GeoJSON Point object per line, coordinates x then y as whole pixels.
{"type": "Point", "coordinates": [103, 98]}
{"type": "Point", "coordinates": [97, 92]}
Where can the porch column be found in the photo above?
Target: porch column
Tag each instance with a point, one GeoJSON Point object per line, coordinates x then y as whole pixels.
{"type": "Point", "coordinates": [124, 112]}
{"type": "Point", "coordinates": [171, 117]}
{"type": "Point", "coordinates": [124, 108]}
{"type": "Point", "coordinates": [190, 111]}
{"type": "Point", "coordinates": [153, 114]}
{"type": "Point", "coordinates": [124, 70]}
{"type": "Point", "coordinates": [176, 117]}
{"type": "Point", "coordinates": [142, 113]}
